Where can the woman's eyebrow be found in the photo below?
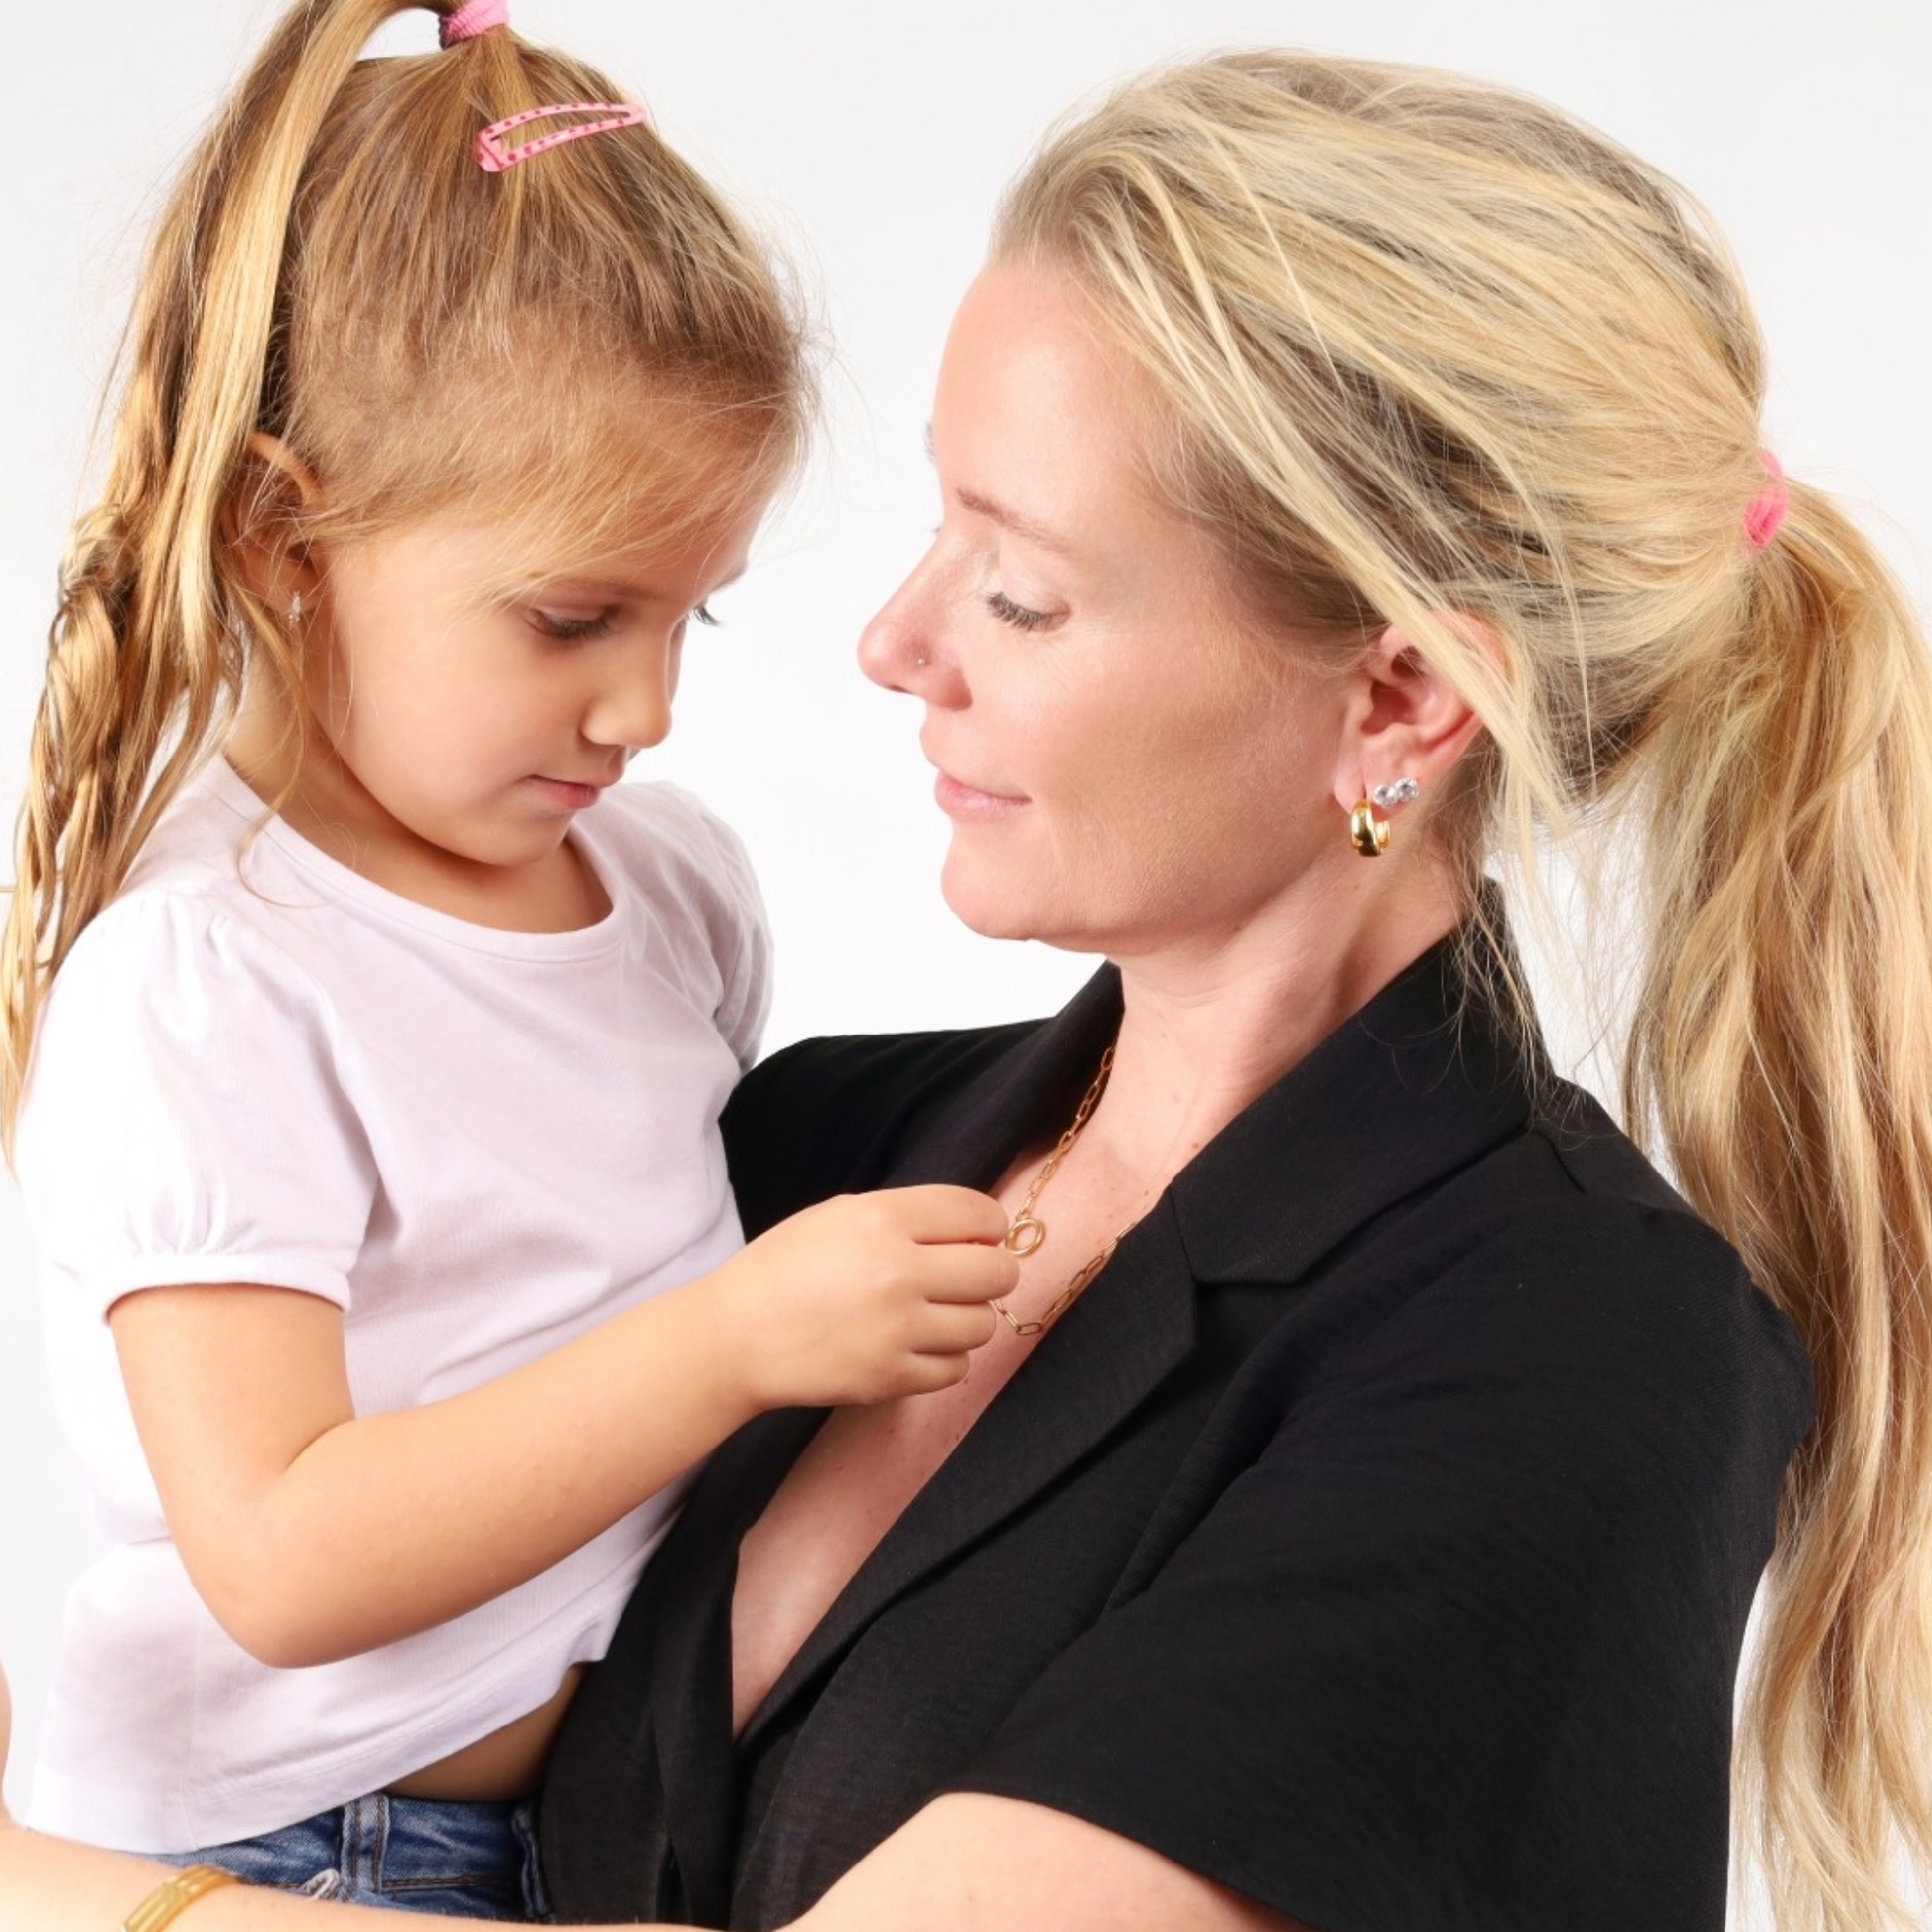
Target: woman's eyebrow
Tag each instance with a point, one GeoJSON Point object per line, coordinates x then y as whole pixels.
{"type": "Point", "coordinates": [1008, 520]}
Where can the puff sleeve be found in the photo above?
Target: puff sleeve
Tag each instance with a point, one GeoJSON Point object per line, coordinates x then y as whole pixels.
{"type": "Point", "coordinates": [188, 1116]}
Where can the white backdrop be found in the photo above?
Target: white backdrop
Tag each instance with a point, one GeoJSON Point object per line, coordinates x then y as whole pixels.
{"type": "Point", "coordinates": [872, 136]}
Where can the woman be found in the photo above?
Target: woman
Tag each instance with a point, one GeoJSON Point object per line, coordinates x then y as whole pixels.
{"type": "Point", "coordinates": [1345, 470]}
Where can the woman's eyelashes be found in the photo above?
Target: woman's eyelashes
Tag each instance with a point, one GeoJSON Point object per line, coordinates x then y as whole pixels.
{"type": "Point", "coordinates": [1018, 616]}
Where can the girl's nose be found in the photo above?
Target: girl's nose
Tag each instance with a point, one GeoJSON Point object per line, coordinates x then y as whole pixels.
{"type": "Point", "coordinates": [632, 707]}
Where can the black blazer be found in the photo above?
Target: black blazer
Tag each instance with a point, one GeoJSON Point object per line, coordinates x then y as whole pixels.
{"type": "Point", "coordinates": [1376, 1535]}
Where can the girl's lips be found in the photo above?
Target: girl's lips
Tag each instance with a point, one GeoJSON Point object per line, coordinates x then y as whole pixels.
{"type": "Point", "coordinates": [960, 801]}
{"type": "Point", "coordinates": [567, 794]}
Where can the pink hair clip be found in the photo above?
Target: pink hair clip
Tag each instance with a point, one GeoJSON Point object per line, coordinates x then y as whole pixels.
{"type": "Point", "coordinates": [473, 17]}
{"type": "Point", "coordinates": [493, 157]}
{"type": "Point", "coordinates": [1766, 512]}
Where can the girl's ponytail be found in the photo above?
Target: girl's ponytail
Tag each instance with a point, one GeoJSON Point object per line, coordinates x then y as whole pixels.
{"type": "Point", "coordinates": [1783, 1049]}
{"type": "Point", "coordinates": [145, 652]}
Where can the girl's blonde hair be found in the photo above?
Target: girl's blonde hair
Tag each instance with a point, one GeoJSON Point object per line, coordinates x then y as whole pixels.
{"type": "Point", "coordinates": [1426, 352]}
{"type": "Point", "coordinates": [336, 271]}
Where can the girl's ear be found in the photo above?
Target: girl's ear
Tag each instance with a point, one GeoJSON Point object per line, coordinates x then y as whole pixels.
{"type": "Point", "coordinates": [1404, 719]}
{"type": "Point", "coordinates": [261, 516]}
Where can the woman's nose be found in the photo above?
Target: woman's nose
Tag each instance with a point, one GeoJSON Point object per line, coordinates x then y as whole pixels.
{"type": "Point", "coordinates": [897, 648]}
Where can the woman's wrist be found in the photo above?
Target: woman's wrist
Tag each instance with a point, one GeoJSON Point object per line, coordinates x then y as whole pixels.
{"type": "Point", "coordinates": [173, 1897]}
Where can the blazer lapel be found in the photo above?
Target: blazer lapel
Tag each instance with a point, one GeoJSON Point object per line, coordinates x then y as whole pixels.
{"type": "Point", "coordinates": [1111, 1349]}
{"type": "Point", "coordinates": [1419, 1083]}
{"type": "Point", "coordinates": [969, 1143]}
{"type": "Point", "coordinates": [690, 1698]}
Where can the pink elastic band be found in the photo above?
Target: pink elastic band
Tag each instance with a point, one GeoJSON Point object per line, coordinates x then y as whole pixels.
{"type": "Point", "coordinates": [472, 18]}
{"type": "Point", "coordinates": [493, 157]}
{"type": "Point", "coordinates": [1766, 512]}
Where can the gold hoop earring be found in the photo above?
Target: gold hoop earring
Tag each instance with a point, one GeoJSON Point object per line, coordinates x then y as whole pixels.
{"type": "Point", "coordinates": [1368, 834]}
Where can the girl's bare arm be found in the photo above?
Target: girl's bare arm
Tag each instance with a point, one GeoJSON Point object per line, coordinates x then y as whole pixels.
{"type": "Point", "coordinates": [270, 1479]}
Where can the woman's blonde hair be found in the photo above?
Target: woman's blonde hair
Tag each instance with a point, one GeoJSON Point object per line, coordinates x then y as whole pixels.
{"type": "Point", "coordinates": [336, 271]}
{"type": "Point", "coordinates": [1423, 350]}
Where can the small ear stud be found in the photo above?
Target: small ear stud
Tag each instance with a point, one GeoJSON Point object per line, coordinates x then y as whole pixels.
{"type": "Point", "coordinates": [295, 609]}
{"type": "Point", "coordinates": [1367, 832]}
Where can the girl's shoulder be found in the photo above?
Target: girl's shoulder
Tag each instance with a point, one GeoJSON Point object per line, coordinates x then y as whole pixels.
{"type": "Point", "coordinates": [661, 840]}
{"type": "Point", "coordinates": [204, 887]}
{"type": "Point", "coordinates": [663, 854]}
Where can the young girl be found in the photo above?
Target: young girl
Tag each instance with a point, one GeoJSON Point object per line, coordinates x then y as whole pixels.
{"type": "Point", "coordinates": [377, 1036]}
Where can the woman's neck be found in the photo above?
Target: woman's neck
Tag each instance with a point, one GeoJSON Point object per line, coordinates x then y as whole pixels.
{"type": "Point", "coordinates": [1207, 1028]}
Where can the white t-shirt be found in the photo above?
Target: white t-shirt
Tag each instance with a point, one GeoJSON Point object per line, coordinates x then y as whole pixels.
{"type": "Point", "coordinates": [257, 1066]}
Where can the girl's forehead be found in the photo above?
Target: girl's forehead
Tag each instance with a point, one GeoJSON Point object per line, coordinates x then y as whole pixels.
{"type": "Point", "coordinates": [567, 468]}
{"type": "Point", "coordinates": [613, 519]}
{"type": "Point", "coordinates": [645, 548]}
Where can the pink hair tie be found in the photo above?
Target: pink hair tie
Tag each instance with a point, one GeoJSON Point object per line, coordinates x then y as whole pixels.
{"type": "Point", "coordinates": [493, 157]}
{"type": "Point", "coordinates": [1766, 512]}
{"type": "Point", "coordinates": [472, 18]}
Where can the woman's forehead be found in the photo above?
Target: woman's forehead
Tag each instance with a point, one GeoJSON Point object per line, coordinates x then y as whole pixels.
{"type": "Point", "coordinates": [1039, 423]}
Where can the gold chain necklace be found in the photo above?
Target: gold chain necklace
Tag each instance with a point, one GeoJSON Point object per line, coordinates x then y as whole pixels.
{"type": "Point", "coordinates": [1026, 1233]}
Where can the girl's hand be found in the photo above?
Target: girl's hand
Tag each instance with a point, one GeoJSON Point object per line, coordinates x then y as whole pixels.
{"type": "Point", "coordinates": [867, 1295]}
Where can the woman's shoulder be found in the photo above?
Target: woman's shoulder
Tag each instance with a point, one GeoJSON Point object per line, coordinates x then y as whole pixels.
{"type": "Point", "coordinates": [1565, 1255]}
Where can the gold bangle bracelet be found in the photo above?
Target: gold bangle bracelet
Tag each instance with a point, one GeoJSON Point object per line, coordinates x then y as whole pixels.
{"type": "Point", "coordinates": [165, 1903]}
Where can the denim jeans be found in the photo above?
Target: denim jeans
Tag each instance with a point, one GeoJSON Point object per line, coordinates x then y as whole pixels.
{"type": "Point", "coordinates": [411, 1855]}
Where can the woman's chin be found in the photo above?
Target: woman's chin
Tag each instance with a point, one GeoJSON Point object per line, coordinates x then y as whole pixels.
{"type": "Point", "coordinates": [992, 904]}
{"type": "Point", "coordinates": [998, 906]}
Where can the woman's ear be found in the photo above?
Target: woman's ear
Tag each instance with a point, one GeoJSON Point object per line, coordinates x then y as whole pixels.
{"type": "Point", "coordinates": [261, 518]}
{"type": "Point", "coordinates": [1404, 719]}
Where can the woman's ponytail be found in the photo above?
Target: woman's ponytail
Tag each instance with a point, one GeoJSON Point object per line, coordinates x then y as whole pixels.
{"type": "Point", "coordinates": [1783, 1051]}
{"type": "Point", "coordinates": [1427, 353]}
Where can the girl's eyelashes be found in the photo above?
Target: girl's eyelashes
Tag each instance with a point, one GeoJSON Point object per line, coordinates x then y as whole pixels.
{"type": "Point", "coordinates": [1018, 616]}
{"type": "Point", "coordinates": [569, 629]}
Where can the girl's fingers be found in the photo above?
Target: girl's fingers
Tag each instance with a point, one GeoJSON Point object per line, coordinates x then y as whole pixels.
{"type": "Point", "coordinates": [938, 1213]}
{"type": "Point", "coordinates": [957, 1329]}
{"type": "Point", "coordinates": [965, 1271]}
{"type": "Point", "coordinates": [928, 1374]}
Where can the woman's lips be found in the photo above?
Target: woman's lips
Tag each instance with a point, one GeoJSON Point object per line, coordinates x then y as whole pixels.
{"type": "Point", "coordinates": [957, 799]}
